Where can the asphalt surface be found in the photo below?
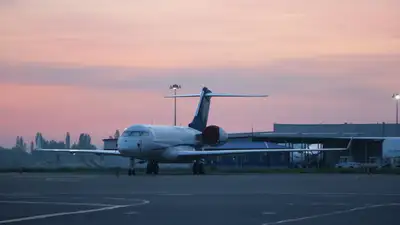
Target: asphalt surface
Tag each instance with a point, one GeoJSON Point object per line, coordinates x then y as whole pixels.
{"type": "Point", "coordinates": [64, 199]}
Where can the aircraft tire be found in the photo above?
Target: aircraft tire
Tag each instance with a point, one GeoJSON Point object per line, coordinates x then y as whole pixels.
{"type": "Point", "coordinates": [149, 168]}
{"type": "Point", "coordinates": [195, 168]}
{"type": "Point", "coordinates": [152, 168]}
{"type": "Point", "coordinates": [156, 168]}
{"type": "Point", "coordinates": [201, 168]}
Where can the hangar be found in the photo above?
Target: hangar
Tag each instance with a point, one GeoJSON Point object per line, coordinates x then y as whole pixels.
{"type": "Point", "coordinates": [365, 130]}
{"type": "Point", "coordinates": [372, 141]}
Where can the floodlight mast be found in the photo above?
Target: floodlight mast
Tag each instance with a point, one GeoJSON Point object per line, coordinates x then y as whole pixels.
{"type": "Point", "coordinates": [396, 97]}
{"type": "Point", "coordinates": [175, 87]}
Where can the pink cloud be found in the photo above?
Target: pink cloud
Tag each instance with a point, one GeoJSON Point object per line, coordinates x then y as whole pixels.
{"type": "Point", "coordinates": [203, 34]}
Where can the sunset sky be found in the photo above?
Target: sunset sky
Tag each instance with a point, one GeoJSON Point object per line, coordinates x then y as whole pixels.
{"type": "Point", "coordinates": [99, 65]}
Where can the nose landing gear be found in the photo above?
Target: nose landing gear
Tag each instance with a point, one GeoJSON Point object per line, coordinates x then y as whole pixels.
{"type": "Point", "coordinates": [152, 167]}
{"type": "Point", "coordinates": [131, 170]}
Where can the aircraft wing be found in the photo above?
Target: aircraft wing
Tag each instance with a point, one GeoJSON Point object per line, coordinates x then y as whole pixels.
{"type": "Point", "coordinates": [81, 151]}
{"type": "Point", "coordinates": [222, 151]}
{"type": "Point", "coordinates": [74, 151]}
{"type": "Point", "coordinates": [305, 138]}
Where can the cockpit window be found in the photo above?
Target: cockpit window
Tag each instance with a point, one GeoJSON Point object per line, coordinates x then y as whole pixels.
{"type": "Point", "coordinates": [128, 133]}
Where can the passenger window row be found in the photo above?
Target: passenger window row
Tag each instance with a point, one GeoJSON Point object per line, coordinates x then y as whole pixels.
{"type": "Point", "coordinates": [135, 133]}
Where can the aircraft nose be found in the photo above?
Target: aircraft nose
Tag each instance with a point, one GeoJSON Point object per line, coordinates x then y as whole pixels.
{"type": "Point", "coordinates": [123, 144]}
{"type": "Point", "coordinates": [129, 144]}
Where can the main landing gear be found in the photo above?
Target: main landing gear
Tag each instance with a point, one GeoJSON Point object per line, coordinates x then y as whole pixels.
{"type": "Point", "coordinates": [198, 167]}
{"type": "Point", "coordinates": [152, 167]}
{"type": "Point", "coordinates": [131, 170]}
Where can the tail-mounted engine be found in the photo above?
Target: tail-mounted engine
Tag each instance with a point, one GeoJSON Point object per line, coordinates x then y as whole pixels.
{"type": "Point", "coordinates": [214, 135]}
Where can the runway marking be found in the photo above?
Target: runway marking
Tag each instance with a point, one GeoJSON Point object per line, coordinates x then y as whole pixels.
{"type": "Point", "coordinates": [268, 213]}
{"type": "Point", "coordinates": [331, 213]}
{"type": "Point", "coordinates": [131, 213]}
{"type": "Point", "coordinates": [143, 202]}
{"type": "Point", "coordinates": [177, 194]}
{"type": "Point", "coordinates": [25, 197]}
{"type": "Point", "coordinates": [59, 179]}
{"type": "Point", "coordinates": [110, 198]}
{"type": "Point", "coordinates": [328, 204]}
{"type": "Point", "coordinates": [56, 203]}
{"type": "Point", "coordinates": [149, 192]}
{"type": "Point", "coordinates": [332, 193]}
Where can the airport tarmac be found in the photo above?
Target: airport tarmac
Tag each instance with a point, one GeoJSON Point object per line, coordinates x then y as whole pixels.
{"type": "Point", "coordinates": [268, 199]}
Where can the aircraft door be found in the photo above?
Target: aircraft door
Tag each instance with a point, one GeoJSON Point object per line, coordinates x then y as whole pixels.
{"type": "Point", "coordinates": [140, 145]}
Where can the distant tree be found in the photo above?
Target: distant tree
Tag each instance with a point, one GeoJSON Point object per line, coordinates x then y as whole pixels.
{"type": "Point", "coordinates": [38, 138]}
{"type": "Point", "coordinates": [84, 142]}
{"type": "Point", "coordinates": [20, 144]}
{"type": "Point", "coordinates": [116, 135]}
{"type": "Point", "coordinates": [17, 142]}
{"type": "Point", "coordinates": [48, 144]}
{"type": "Point", "coordinates": [68, 141]}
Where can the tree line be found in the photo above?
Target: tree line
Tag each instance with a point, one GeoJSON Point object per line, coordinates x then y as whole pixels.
{"type": "Point", "coordinates": [84, 142]}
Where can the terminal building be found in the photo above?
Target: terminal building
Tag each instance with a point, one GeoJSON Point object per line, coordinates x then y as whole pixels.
{"type": "Point", "coordinates": [362, 150]}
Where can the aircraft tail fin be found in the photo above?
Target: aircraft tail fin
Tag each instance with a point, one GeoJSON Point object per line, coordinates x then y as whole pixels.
{"type": "Point", "coordinates": [200, 119]}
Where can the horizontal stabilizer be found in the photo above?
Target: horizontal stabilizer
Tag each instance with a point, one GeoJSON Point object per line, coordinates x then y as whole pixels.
{"type": "Point", "coordinates": [215, 95]}
{"type": "Point", "coordinates": [183, 96]}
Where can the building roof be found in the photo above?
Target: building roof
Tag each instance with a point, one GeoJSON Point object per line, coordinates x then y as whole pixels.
{"type": "Point", "coordinates": [110, 139]}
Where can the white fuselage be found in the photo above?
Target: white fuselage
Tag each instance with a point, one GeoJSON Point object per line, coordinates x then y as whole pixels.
{"type": "Point", "coordinates": [155, 142]}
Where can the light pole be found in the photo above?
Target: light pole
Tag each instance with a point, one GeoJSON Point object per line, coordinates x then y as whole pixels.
{"type": "Point", "coordinates": [175, 87]}
{"type": "Point", "coordinates": [396, 97]}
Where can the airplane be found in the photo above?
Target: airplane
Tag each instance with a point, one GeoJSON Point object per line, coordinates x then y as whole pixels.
{"type": "Point", "coordinates": [179, 144]}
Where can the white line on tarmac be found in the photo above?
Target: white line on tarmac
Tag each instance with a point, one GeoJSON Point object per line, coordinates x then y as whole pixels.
{"type": "Point", "coordinates": [131, 213]}
{"type": "Point", "coordinates": [63, 179]}
{"type": "Point", "coordinates": [110, 198]}
{"type": "Point", "coordinates": [268, 213]}
{"type": "Point", "coordinates": [328, 204]}
{"type": "Point", "coordinates": [143, 202]}
{"type": "Point", "coordinates": [56, 203]}
{"type": "Point", "coordinates": [332, 193]}
{"type": "Point", "coordinates": [331, 213]}
{"type": "Point", "coordinates": [149, 192]}
{"type": "Point", "coordinates": [26, 197]}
